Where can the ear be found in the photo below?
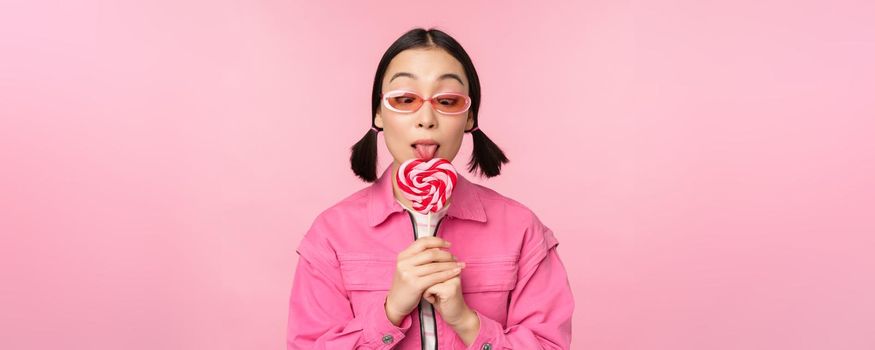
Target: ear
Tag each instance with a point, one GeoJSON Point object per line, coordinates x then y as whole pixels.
{"type": "Point", "coordinates": [470, 123]}
{"type": "Point", "coordinates": [378, 120]}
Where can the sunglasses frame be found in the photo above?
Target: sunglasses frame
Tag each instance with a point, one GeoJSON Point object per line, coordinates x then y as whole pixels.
{"type": "Point", "coordinates": [395, 93]}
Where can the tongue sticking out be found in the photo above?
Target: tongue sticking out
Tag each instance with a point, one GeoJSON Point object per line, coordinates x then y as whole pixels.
{"type": "Point", "coordinates": [425, 152]}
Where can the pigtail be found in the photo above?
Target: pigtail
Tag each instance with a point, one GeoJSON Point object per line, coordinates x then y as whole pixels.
{"type": "Point", "coordinates": [486, 156]}
{"type": "Point", "coordinates": [363, 159]}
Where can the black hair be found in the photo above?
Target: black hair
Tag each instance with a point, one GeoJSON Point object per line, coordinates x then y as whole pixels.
{"type": "Point", "coordinates": [486, 156]}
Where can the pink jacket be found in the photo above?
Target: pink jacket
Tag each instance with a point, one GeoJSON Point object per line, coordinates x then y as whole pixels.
{"type": "Point", "coordinates": [514, 279]}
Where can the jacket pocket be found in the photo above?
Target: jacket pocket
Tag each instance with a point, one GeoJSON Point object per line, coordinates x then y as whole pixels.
{"type": "Point", "coordinates": [363, 272]}
{"type": "Point", "coordinates": [487, 283]}
{"type": "Point", "coordinates": [367, 280]}
{"type": "Point", "coordinates": [490, 273]}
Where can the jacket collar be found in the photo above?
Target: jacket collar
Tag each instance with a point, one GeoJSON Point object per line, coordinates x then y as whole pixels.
{"type": "Point", "coordinates": [464, 201]}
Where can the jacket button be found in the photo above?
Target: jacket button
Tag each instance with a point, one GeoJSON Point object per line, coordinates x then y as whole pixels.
{"type": "Point", "coordinates": [487, 346]}
{"type": "Point", "coordinates": [388, 339]}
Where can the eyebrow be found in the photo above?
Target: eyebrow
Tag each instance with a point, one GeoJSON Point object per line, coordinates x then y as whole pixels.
{"type": "Point", "coordinates": [442, 77]}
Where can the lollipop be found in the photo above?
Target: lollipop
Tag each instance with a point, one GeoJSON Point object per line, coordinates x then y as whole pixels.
{"type": "Point", "coordinates": [427, 183]}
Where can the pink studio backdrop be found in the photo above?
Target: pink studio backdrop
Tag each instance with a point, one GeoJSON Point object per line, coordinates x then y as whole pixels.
{"type": "Point", "coordinates": [707, 166]}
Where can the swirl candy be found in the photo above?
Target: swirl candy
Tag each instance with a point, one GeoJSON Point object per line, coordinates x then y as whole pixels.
{"type": "Point", "coordinates": [427, 183]}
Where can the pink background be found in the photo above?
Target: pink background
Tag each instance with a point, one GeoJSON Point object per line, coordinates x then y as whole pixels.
{"type": "Point", "coordinates": [707, 166]}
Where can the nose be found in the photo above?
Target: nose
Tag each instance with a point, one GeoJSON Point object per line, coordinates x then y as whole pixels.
{"type": "Point", "coordinates": [426, 116]}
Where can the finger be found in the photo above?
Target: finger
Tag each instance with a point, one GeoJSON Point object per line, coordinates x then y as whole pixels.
{"type": "Point", "coordinates": [423, 243]}
{"type": "Point", "coordinates": [430, 297]}
{"type": "Point", "coordinates": [439, 291]}
{"type": "Point", "coordinates": [436, 289]}
{"type": "Point", "coordinates": [438, 277]}
{"type": "Point", "coordinates": [430, 268]}
{"type": "Point", "coordinates": [430, 255]}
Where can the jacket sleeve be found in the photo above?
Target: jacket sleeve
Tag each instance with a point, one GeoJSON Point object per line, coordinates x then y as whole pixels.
{"type": "Point", "coordinates": [540, 306]}
{"type": "Point", "coordinates": [320, 313]}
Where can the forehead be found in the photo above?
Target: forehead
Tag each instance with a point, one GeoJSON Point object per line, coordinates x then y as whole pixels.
{"type": "Point", "coordinates": [428, 65]}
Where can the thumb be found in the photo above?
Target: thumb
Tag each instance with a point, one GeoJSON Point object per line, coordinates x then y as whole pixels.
{"type": "Point", "coordinates": [430, 298]}
{"type": "Point", "coordinates": [432, 293]}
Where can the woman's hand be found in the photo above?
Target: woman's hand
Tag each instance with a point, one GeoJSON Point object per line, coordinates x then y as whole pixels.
{"type": "Point", "coordinates": [420, 266]}
{"type": "Point", "coordinates": [447, 298]}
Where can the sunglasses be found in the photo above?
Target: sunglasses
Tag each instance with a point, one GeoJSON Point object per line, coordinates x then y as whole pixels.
{"type": "Point", "coordinates": [404, 101]}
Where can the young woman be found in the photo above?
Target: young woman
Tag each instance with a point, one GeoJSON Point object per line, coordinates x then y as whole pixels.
{"type": "Point", "coordinates": [375, 274]}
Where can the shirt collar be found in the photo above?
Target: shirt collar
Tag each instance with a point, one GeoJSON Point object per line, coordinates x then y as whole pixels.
{"type": "Point", "coordinates": [464, 203]}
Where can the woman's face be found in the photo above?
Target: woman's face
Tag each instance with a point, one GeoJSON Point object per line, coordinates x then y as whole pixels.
{"type": "Point", "coordinates": [426, 71]}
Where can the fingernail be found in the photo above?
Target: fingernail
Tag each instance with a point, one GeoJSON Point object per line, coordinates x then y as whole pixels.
{"type": "Point", "coordinates": [461, 264]}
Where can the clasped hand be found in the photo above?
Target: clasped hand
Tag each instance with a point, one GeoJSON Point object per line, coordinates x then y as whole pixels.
{"type": "Point", "coordinates": [426, 270]}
